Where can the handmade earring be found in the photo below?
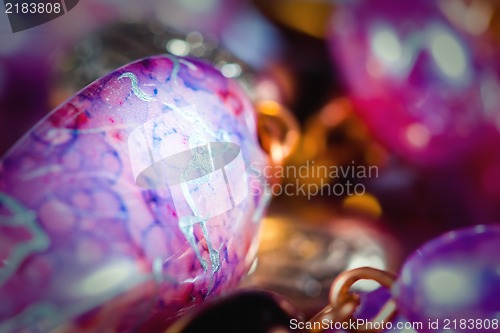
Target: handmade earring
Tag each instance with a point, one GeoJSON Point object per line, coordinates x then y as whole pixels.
{"type": "Point", "coordinates": [137, 199]}
{"type": "Point", "coordinates": [449, 284]}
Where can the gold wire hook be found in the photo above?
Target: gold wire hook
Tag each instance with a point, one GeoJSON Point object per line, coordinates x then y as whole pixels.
{"type": "Point", "coordinates": [278, 131]}
{"type": "Point", "coordinates": [343, 303]}
{"type": "Point", "coordinates": [339, 291]}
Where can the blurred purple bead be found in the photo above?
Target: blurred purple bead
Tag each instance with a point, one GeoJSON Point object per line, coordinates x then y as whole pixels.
{"type": "Point", "coordinates": [412, 77]}
{"type": "Point", "coordinates": [372, 302]}
{"type": "Point", "coordinates": [456, 276]}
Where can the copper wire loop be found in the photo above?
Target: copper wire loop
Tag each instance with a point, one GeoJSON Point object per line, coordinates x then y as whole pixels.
{"type": "Point", "coordinates": [339, 292]}
{"type": "Point", "coordinates": [278, 131]}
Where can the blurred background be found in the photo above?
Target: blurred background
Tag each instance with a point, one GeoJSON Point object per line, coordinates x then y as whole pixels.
{"type": "Point", "coordinates": [408, 88]}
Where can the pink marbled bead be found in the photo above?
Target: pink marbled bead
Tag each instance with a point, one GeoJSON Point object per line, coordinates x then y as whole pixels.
{"type": "Point", "coordinates": [91, 240]}
{"type": "Point", "coordinates": [415, 80]}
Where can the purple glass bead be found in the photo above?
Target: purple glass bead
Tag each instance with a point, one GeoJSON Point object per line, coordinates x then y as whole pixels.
{"type": "Point", "coordinates": [413, 78]}
{"type": "Point", "coordinates": [134, 199]}
{"type": "Point", "coordinates": [454, 281]}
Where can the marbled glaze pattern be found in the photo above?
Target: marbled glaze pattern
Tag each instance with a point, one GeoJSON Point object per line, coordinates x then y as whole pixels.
{"type": "Point", "coordinates": [83, 247]}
